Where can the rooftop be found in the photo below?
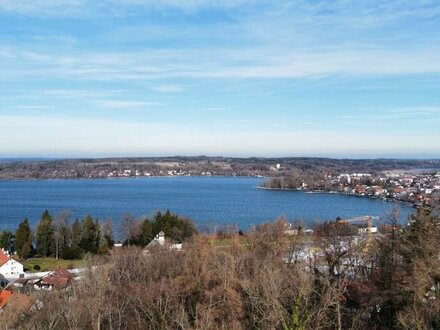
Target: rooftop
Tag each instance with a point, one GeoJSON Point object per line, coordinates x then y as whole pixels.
{"type": "Point", "coordinates": [5, 295]}
{"type": "Point", "coordinates": [3, 258]}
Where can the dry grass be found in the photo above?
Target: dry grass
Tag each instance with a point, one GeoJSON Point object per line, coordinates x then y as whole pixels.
{"type": "Point", "coordinates": [50, 263]}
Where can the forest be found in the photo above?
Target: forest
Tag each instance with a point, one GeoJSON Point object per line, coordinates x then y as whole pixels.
{"type": "Point", "coordinates": [228, 166]}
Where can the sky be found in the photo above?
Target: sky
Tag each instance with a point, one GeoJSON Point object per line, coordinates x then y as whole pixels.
{"type": "Point", "coordinates": [342, 78]}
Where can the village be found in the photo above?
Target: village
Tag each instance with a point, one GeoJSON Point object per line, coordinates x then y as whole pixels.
{"type": "Point", "coordinates": [18, 287]}
{"type": "Point", "coordinates": [417, 189]}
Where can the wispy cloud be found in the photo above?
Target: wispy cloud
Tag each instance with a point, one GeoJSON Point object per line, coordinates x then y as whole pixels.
{"type": "Point", "coordinates": [78, 94]}
{"type": "Point", "coordinates": [373, 10]}
{"type": "Point", "coordinates": [168, 88]}
{"type": "Point", "coordinates": [222, 63]}
{"type": "Point", "coordinates": [417, 111]}
{"type": "Point", "coordinates": [275, 71]}
{"type": "Point", "coordinates": [32, 107]}
{"type": "Point", "coordinates": [395, 118]}
{"type": "Point", "coordinates": [122, 104]}
{"type": "Point", "coordinates": [81, 8]}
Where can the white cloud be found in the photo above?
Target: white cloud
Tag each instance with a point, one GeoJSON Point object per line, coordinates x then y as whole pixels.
{"type": "Point", "coordinates": [168, 88]}
{"type": "Point", "coordinates": [417, 111]}
{"type": "Point", "coordinates": [122, 104]}
{"type": "Point", "coordinates": [367, 12]}
{"type": "Point", "coordinates": [32, 107]}
{"type": "Point", "coordinates": [85, 8]}
{"type": "Point", "coordinates": [220, 63]}
{"type": "Point", "coordinates": [76, 94]}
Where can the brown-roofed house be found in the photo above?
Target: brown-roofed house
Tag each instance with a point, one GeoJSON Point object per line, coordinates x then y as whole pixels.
{"type": "Point", "coordinates": [58, 279]}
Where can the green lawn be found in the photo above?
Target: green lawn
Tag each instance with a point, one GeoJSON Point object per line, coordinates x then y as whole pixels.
{"type": "Point", "coordinates": [50, 263]}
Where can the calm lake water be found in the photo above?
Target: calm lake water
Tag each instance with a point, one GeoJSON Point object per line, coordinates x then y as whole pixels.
{"type": "Point", "coordinates": [214, 200]}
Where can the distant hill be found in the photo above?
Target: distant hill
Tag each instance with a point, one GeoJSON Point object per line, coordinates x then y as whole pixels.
{"type": "Point", "coordinates": [44, 168]}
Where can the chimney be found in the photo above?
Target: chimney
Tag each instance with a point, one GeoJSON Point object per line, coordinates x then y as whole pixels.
{"type": "Point", "coordinates": [160, 238]}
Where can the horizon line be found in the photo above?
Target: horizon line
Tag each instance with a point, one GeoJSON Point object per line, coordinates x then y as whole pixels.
{"type": "Point", "coordinates": [49, 158]}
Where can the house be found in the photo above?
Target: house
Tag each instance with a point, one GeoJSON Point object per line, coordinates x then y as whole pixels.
{"type": "Point", "coordinates": [10, 268]}
{"type": "Point", "coordinates": [5, 295]}
{"type": "Point", "coordinates": [360, 189]}
{"type": "Point", "coordinates": [159, 242]}
{"type": "Point", "coordinates": [22, 285]}
{"type": "Point", "coordinates": [58, 279]}
{"type": "Point", "coordinates": [366, 230]}
{"type": "Point", "coordinates": [14, 304]}
{"type": "Point", "coordinates": [378, 190]}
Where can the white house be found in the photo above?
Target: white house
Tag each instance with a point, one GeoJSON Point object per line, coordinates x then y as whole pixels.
{"type": "Point", "coordinates": [159, 241]}
{"type": "Point", "coordinates": [10, 268]}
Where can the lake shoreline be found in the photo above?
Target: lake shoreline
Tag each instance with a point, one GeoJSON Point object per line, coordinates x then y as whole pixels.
{"type": "Point", "coordinates": [131, 177]}
{"type": "Point", "coordinates": [389, 200]}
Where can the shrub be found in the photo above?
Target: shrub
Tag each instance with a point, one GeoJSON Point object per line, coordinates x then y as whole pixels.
{"type": "Point", "coordinates": [70, 253]}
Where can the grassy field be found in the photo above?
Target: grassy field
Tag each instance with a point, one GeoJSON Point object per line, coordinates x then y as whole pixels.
{"type": "Point", "coordinates": [50, 263]}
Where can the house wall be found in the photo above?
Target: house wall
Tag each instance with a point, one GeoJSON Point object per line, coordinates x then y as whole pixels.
{"type": "Point", "coordinates": [12, 269]}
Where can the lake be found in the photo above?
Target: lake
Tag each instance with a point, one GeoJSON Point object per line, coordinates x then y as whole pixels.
{"type": "Point", "coordinates": [206, 200]}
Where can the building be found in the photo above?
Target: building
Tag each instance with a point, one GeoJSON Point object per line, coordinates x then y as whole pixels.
{"type": "Point", "coordinates": [5, 296]}
{"type": "Point", "coordinates": [159, 242]}
{"type": "Point", "coordinates": [58, 279]}
{"type": "Point", "coordinates": [15, 302]}
{"type": "Point", "coordinates": [9, 267]}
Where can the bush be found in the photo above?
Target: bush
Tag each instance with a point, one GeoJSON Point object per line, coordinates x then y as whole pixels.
{"type": "Point", "coordinates": [70, 253]}
{"type": "Point", "coordinates": [37, 267]}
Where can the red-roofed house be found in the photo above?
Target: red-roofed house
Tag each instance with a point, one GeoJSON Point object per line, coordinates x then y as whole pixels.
{"type": "Point", "coordinates": [58, 279]}
{"type": "Point", "coordinates": [5, 295]}
{"type": "Point", "coordinates": [10, 268]}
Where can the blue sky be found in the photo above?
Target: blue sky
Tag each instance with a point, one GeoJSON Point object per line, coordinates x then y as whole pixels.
{"type": "Point", "coordinates": [234, 77]}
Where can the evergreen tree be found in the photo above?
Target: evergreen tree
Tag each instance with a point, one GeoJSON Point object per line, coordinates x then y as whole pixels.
{"type": "Point", "coordinates": [76, 233]}
{"type": "Point", "coordinates": [420, 242]}
{"type": "Point", "coordinates": [5, 239]}
{"type": "Point", "coordinates": [162, 222]}
{"type": "Point", "coordinates": [61, 232]}
{"type": "Point", "coordinates": [146, 232]}
{"type": "Point", "coordinates": [26, 250]}
{"type": "Point", "coordinates": [90, 235]}
{"type": "Point", "coordinates": [174, 227]}
{"type": "Point", "coordinates": [98, 234]}
{"type": "Point", "coordinates": [103, 246]}
{"type": "Point", "coordinates": [408, 281]}
{"type": "Point", "coordinates": [23, 237]}
{"type": "Point", "coordinates": [45, 235]}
